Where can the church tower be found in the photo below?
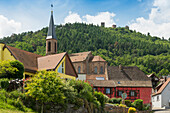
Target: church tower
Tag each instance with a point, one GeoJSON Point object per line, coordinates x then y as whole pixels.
{"type": "Point", "coordinates": [51, 40]}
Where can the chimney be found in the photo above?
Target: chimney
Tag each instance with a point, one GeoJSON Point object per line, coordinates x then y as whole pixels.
{"type": "Point", "coordinates": [113, 26]}
{"type": "Point", "coordinates": [102, 24]}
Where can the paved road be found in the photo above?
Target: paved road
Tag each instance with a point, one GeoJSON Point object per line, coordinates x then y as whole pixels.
{"type": "Point", "coordinates": [162, 111]}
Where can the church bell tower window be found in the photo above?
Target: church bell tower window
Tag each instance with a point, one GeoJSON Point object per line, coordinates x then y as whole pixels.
{"type": "Point", "coordinates": [49, 46]}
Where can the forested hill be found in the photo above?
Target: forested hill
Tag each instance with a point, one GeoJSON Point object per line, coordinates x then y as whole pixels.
{"type": "Point", "coordinates": [115, 45]}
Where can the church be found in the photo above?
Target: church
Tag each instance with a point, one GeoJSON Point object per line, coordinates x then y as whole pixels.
{"type": "Point", "coordinates": [32, 62]}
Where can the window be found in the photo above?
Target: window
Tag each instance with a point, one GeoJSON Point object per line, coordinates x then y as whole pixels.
{"type": "Point", "coordinates": [157, 98]}
{"type": "Point", "coordinates": [61, 68]}
{"type": "Point", "coordinates": [95, 89]}
{"type": "Point", "coordinates": [99, 78]}
{"type": "Point", "coordinates": [132, 93]}
{"type": "Point", "coordinates": [79, 69]}
{"type": "Point", "coordinates": [107, 90]}
{"type": "Point", "coordinates": [95, 69]}
{"type": "Point", "coordinates": [101, 70]}
{"type": "Point", "coordinates": [49, 46]}
{"type": "Point", "coordinates": [120, 93]}
{"type": "Point", "coordinates": [55, 47]}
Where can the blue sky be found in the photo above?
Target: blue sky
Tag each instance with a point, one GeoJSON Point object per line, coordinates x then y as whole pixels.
{"type": "Point", "coordinates": [24, 15]}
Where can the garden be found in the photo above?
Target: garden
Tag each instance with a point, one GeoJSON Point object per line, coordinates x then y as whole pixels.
{"type": "Point", "coordinates": [46, 92]}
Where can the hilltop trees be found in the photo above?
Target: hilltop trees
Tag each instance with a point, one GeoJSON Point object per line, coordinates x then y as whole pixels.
{"type": "Point", "coordinates": [115, 45]}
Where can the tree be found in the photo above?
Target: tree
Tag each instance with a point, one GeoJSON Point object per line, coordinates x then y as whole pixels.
{"type": "Point", "coordinates": [20, 67]}
{"type": "Point", "coordinates": [7, 70]}
{"type": "Point", "coordinates": [46, 87]}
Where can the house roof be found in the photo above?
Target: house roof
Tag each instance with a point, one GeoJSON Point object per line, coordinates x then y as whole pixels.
{"type": "Point", "coordinates": [102, 83]}
{"type": "Point", "coordinates": [78, 57]}
{"type": "Point", "coordinates": [131, 73]}
{"type": "Point", "coordinates": [162, 87]}
{"type": "Point", "coordinates": [28, 59]}
{"type": "Point", "coordinates": [133, 83]}
{"type": "Point", "coordinates": [114, 83]}
{"type": "Point", "coordinates": [98, 58]}
{"type": "Point", "coordinates": [50, 61]}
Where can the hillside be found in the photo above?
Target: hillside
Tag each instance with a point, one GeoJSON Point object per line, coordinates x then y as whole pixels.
{"type": "Point", "coordinates": [115, 45]}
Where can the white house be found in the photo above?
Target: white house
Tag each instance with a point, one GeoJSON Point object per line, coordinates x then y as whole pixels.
{"type": "Point", "coordinates": [162, 97]}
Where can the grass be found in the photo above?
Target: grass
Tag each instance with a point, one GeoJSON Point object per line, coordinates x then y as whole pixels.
{"type": "Point", "coordinates": [12, 111]}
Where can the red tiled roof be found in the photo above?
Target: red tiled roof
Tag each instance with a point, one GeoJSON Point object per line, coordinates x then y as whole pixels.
{"type": "Point", "coordinates": [78, 57]}
{"type": "Point", "coordinates": [50, 61]}
{"type": "Point", "coordinates": [162, 87]}
{"type": "Point", "coordinates": [28, 59]}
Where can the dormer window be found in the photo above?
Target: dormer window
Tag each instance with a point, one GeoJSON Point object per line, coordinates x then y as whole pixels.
{"type": "Point", "coordinates": [61, 68]}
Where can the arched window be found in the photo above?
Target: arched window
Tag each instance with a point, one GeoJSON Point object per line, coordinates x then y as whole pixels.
{"type": "Point", "coordinates": [101, 70]}
{"type": "Point", "coordinates": [95, 69]}
{"type": "Point", "coordinates": [55, 47]}
{"type": "Point", "coordinates": [49, 46]}
{"type": "Point", "coordinates": [79, 69]}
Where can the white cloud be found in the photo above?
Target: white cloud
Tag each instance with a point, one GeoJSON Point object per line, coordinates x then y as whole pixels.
{"type": "Point", "coordinates": [158, 23]}
{"type": "Point", "coordinates": [106, 17]}
{"type": "Point", "coordinates": [7, 27]}
{"type": "Point", "coordinates": [72, 18]}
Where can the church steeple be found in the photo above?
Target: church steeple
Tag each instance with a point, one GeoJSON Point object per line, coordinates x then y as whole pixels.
{"type": "Point", "coordinates": [51, 40]}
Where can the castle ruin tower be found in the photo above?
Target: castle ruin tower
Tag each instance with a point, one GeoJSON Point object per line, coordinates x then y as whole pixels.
{"type": "Point", "coordinates": [51, 40]}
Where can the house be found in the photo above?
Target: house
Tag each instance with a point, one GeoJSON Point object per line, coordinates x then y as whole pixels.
{"type": "Point", "coordinates": [162, 97]}
{"type": "Point", "coordinates": [89, 67]}
{"type": "Point", "coordinates": [32, 62]}
{"type": "Point", "coordinates": [155, 81]}
{"type": "Point", "coordinates": [129, 80]}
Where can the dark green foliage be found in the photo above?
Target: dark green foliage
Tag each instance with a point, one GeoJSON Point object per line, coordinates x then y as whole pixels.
{"type": "Point", "coordinates": [138, 104]}
{"type": "Point", "coordinates": [128, 103]}
{"type": "Point", "coordinates": [100, 97]}
{"type": "Point", "coordinates": [20, 67]}
{"type": "Point", "coordinates": [115, 45]}
{"type": "Point", "coordinates": [115, 100]}
{"type": "Point", "coordinates": [4, 83]}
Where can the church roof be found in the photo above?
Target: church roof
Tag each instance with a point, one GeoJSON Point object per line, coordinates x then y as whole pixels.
{"type": "Point", "coordinates": [130, 73]}
{"type": "Point", "coordinates": [28, 59]}
{"type": "Point", "coordinates": [98, 58]}
{"type": "Point", "coordinates": [51, 29]}
{"type": "Point", "coordinates": [50, 61]}
{"type": "Point", "coordinates": [78, 57]}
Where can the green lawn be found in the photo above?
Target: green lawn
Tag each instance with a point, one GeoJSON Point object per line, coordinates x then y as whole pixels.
{"type": "Point", "coordinates": [12, 111]}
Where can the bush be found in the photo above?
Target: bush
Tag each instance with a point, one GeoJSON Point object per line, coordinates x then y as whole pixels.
{"type": "Point", "coordinates": [20, 67]}
{"type": "Point", "coordinates": [138, 104]}
{"type": "Point", "coordinates": [128, 103]}
{"type": "Point", "coordinates": [4, 83]}
{"type": "Point", "coordinates": [115, 100]}
{"type": "Point", "coordinates": [100, 97]}
{"type": "Point", "coordinates": [122, 105]}
{"type": "Point", "coordinates": [131, 110]}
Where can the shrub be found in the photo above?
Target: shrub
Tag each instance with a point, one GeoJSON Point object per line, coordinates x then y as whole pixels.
{"type": "Point", "coordinates": [20, 67]}
{"type": "Point", "coordinates": [100, 97]}
{"type": "Point", "coordinates": [4, 83]}
{"type": "Point", "coordinates": [122, 105]}
{"type": "Point", "coordinates": [128, 103]}
{"type": "Point", "coordinates": [138, 104]}
{"type": "Point", "coordinates": [131, 110]}
{"type": "Point", "coordinates": [115, 100]}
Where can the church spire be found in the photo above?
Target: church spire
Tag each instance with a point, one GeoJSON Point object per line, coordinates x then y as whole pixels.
{"type": "Point", "coordinates": [51, 29]}
{"type": "Point", "coordinates": [51, 40]}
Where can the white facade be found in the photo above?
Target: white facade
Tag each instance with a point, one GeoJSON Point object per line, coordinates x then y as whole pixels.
{"type": "Point", "coordinates": [162, 99]}
{"type": "Point", "coordinates": [81, 77]}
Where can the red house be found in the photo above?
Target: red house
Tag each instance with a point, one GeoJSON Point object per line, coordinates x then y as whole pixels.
{"type": "Point", "coordinates": [129, 80]}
